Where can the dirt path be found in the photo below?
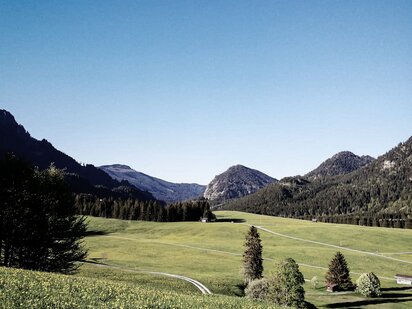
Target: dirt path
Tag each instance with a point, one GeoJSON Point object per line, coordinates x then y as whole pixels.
{"type": "Point", "coordinates": [234, 254]}
{"type": "Point", "coordinates": [196, 283]}
{"type": "Point", "coordinates": [329, 245]}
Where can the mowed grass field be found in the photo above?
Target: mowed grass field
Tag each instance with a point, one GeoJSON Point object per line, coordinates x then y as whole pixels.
{"type": "Point", "coordinates": [212, 254]}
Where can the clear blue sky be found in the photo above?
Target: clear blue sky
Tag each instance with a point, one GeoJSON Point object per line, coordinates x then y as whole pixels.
{"type": "Point", "coordinates": [182, 90]}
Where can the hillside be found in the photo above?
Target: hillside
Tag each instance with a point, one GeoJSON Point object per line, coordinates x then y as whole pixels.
{"type": "Point", "coordinates": [82, 178]}
{"type": "Point", "coordinates": [237, 181]}
{"type": "Point", "coordinates": [29, 289]}
{"type": "Point", "coordinates": [341, 163]}
{"type": "Point", "coordinates": [381, 189]}
{"type": "Point", "coordinates": [212, 253]}
{"type": "Point", "coordinates": [160, 189]}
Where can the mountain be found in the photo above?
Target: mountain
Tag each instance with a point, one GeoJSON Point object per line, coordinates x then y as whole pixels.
{"type": "Point", "coordinates": [236, 182]}
{"type": "Point", "coordinates": [82, 178]}
{"type": "Point", "coordinates": [341, 163]}
{"type": "Point", "coordinates": [160, 189]}
{"type": "Point", "coordinates": [381, 189]}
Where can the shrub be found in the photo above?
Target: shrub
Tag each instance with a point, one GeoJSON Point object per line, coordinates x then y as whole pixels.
{"type": "Point", "coordinates": [368, 285]}
{"type": "Point", "coordinates": [314, 281]}
{"type": "Point", "coordinates": [258, 289]}
{"type": "Point", "coordinates": [287, 285]}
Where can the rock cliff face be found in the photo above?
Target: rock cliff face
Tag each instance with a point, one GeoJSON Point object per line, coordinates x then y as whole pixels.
{"type": "Point", "coordinates": [341, 163]}
{"type": "Point", "coordinates": [160, 189]}
{"type": "Point", "coordinates": [236, 182]}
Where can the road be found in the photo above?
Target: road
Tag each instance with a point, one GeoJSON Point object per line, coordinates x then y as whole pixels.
{"type": "Point", "coordinates": [329, 245]}
{"type": "Point", "coordinates": [196, 283]}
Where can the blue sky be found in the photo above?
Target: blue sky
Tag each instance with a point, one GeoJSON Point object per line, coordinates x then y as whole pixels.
{"type": "Point", "coordinates": [182, 90]}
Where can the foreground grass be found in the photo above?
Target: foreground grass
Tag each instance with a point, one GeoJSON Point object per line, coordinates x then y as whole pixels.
{"type": "Point", "coordinates": [28, 289]}
{"type": "Point", "coordinates": [212, 254]}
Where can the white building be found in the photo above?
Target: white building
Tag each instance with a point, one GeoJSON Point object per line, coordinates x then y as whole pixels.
{"type": "Point", "coordinates": [403, 279]}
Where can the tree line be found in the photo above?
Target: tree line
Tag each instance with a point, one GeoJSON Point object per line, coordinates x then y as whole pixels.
{"type": "Point", "coordinates": [131, 209]}
{"type": "Point", "coordinates": [379, 194]}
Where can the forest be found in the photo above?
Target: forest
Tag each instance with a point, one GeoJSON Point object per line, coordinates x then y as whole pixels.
{"type": "Point", "coordinates": [378, 195]}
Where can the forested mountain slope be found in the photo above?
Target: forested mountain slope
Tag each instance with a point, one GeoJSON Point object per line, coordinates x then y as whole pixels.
{"type": "Point", "coordinates": [341, 163]}
{"type": "Point", "coordinates": [382, 188]}
{"type": "Point", "coordinates": [82, 178]}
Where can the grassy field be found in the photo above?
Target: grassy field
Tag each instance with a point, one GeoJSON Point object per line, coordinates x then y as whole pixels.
{"type": "Point", "coordinates": [212, 253]}
{"type": "Point", "coordinates": [36, 290]}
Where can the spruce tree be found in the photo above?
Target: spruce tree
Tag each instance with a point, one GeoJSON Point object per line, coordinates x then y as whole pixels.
{"type": "Point", "coordinates": [338, 273]}
{"type": "Point", "coordinates": [38, 226]}
{"type": "Point", "coordinates": [252, 258]}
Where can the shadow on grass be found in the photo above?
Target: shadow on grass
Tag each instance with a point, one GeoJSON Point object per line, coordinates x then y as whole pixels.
{"type": "Point", "coordinates": [240, 291]}
{"type": "Point", "coordinates": [399, 288]}
{"type": "Point", "coordinates": [309, 305]}
{"type": "Point", "coordinates": [375, 301]}
{"type": "Point", "coordinates": [98, 261]}
{"type": "Point", "coordinates": [396, 295]}
{"type": "Point", "coordinates": [96, 233]}
{"type": "Point", "coordinates": [233, 220]}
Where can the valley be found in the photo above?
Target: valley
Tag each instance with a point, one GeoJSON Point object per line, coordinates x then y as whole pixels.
{"type": "Point", "coordinates": [212, 253]}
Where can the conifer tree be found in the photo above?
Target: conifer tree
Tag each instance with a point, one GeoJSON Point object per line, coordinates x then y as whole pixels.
{"type": "Point", "coordinates": [38, 226]}
{"type": "Point", "coordinates": [338, 273]}
{"type": "Point", "coordinates": [252, 258]}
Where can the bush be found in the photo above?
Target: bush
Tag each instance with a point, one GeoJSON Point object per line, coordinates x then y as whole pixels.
{"type": "Point", "coordinates": [284, 288]}
{"type": "Point", "coordinates": [315, 282]}
{"type": "Point", "coordinates": [287, 285]}
{"type": "Point", "coordinates": [368, 285]}
{"type": "Point", "coordinates": [258, 289]}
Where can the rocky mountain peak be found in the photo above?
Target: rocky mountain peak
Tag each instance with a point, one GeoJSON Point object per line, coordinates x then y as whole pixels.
{"type": "Point", "coordinates": [236, 182]}
{"type": "Point", "coordinates": [161, 189]}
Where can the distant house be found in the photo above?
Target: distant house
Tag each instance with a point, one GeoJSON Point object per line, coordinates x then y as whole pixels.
{"type": "Point", "coordinates": [403, 279]}
{"type": "Point", "coordinates": [331, 287]}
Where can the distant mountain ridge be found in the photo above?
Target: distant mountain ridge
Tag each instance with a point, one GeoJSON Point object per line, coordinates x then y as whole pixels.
{"type": "Point", "coordinates": [381, 189]}
{"type": "Point", "coordinates": [160, 189]}
{"type": "Point", "coordinates": [343, 162]}
{"type": "Point", "coordinates": [237, 181]}
{"type": "Point", "coordinates": [82, 179]}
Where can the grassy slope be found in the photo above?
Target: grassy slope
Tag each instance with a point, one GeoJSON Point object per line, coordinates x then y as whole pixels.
{"type": "Point", "coordinates": [179, 248]}
{"type": "Point", "coordinates": [36, 290]}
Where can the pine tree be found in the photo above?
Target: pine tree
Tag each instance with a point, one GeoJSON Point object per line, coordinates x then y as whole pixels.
{"type": "Point", "coordinates": [338, 273]}
{"type": "Point", "coordinates": [252, 258]}
{"type": "Point", "coordinates": [38, 226]}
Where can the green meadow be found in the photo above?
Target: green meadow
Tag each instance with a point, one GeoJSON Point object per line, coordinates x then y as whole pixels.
{"type": "Point", "coordinates": [212, 254]}
{"type": "Point", "coordinates": [39, 290]}
{"type": "Point", "coordinates": [122, 255]}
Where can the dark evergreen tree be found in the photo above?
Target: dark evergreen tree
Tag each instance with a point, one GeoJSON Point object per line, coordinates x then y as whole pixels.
{"type": "Point", "coordinates": [338, 274]}
{"type": "Point", "coordinates": [252, 258]}
{"type": "Point", "coordinates": [38, 226]}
